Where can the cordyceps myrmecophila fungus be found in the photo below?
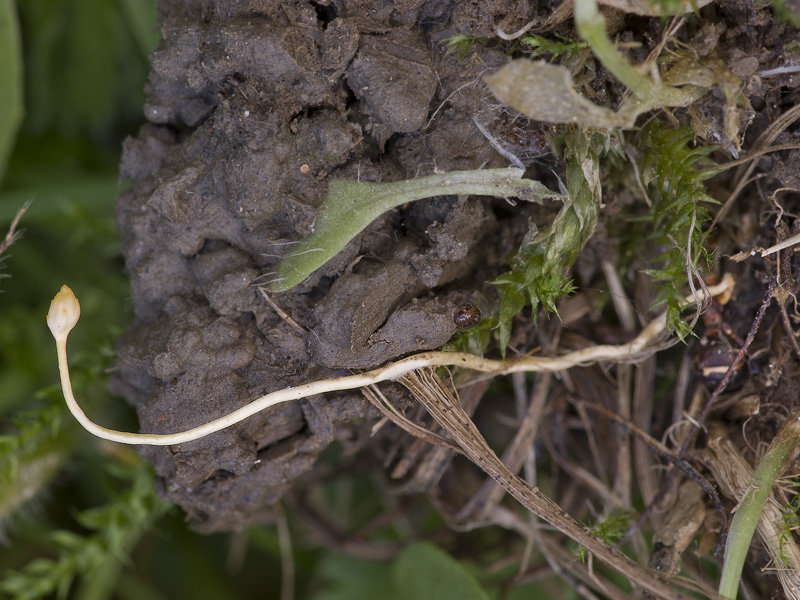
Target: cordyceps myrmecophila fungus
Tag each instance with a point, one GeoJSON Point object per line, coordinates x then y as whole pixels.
{"type": "Point", "coordinates": [65, 311]}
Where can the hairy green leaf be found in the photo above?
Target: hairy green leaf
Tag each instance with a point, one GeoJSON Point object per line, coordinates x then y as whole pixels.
{"type": "Point", "coordinates": [352, 205]}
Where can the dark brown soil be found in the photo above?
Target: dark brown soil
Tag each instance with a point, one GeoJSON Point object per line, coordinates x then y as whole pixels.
{"type": "Point", "coordinates": [254, 105]}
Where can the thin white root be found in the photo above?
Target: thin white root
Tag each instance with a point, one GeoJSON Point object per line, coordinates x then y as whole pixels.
{"type": "Point", "coordinates": [507, 154]}
{"type": "Point", "coordinates": [64, 313]}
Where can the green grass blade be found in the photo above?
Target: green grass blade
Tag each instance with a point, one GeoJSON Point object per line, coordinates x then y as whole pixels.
{"type": "Point", "coordinates": [11, 94]}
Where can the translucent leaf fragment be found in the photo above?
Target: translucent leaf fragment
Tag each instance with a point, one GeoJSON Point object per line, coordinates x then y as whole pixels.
{"type": "Point", "coordinates": [546, 92]}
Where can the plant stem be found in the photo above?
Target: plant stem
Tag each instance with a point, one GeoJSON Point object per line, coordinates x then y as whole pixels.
{"type": "Point", "coordinates": [591, 27]}
{"type": "Point", "coordinates": [751, 505]}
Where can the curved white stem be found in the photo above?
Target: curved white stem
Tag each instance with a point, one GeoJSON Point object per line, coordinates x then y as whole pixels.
{"type": "Point", "coordinates": [64, 312]}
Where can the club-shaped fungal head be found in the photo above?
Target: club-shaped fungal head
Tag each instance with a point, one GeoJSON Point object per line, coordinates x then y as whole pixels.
{"type": "Point", "coordinates": [64, 313]}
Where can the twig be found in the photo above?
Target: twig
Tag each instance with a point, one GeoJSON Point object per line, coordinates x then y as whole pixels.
{"type": "Point", "coordinates": [282, 313]}
{"type": "Point", "coordinates": [379, 401]}
{"type": "Point", "coordinates": [326, 532]}
{"type": "Point", "coordinates": [559, 15]}
{"type": "Point", "coordinates": [732, 368]}
{"type": "Point", "coordinates": [779, 71]}
{"type": "Point", "coordinates": [489, 495]}
{"type": "Point", "coordinates": [690, 435]}
{"type": "Point", "coordinates": [742, 176]}
{"type": "Point", "coordinates": [790, 241]}
{"type": "Point", "coordinates": [508, 155]}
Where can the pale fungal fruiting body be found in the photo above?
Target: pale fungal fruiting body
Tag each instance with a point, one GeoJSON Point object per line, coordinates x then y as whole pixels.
{"type": "Point", "coordinates": [65, 310]}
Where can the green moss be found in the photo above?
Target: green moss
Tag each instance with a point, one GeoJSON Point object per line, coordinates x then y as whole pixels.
{"type": "Point", "coordinates": [677, 191]}
{"type": "Point", "coordinates": [539, 272]}
{"type": "Point", "coordinates": [611, 530]}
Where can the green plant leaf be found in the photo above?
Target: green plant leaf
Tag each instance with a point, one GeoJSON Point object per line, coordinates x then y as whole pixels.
{"type": "Point", "coordinates": [352, 205]}
{"type": "Point", "coordinates": [351, 578]}
{"type": "Point", "coordinates": [546, 92]}
{"type": "Point", "coordinates": [11, 85]}
{"type": "Point", "coordinates": [750, 507]}
{"type": "Point", "coordinates": [425, 571]}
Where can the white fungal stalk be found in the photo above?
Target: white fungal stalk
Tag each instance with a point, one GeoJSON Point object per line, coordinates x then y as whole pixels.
{"type": "Point", "coordinates": [65, 311]}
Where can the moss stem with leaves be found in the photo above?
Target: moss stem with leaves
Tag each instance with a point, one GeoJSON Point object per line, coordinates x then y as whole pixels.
{"type": "Point", "coordinates": [538, 273]}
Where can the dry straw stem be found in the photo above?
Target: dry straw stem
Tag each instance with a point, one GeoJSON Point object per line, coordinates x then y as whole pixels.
{"type": "Point", "coordinates": [446, 409]}
{"type": "Point", "coordinates": [65, 311]}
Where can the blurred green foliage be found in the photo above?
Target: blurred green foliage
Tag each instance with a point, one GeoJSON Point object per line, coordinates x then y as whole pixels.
{"type": "Point", "coordinates": [422, 570]}
{"type": "Point", "coordinates": [10, 79]}
{"type": "Point", "coordinates": [98, 555]}
{"type": "Point", "coordinates": [84, 66]}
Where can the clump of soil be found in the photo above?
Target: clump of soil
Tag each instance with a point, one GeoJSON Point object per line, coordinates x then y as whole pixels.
{"type": "Point", "coordinates": [253, 108]}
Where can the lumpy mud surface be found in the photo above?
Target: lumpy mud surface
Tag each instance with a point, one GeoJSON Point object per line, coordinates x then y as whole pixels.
{"type": "Point", "coordinates": [254, 106]}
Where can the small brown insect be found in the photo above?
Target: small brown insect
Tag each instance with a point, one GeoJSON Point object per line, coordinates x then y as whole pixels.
{"type": "Point", "coordinates": [467, 316]}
